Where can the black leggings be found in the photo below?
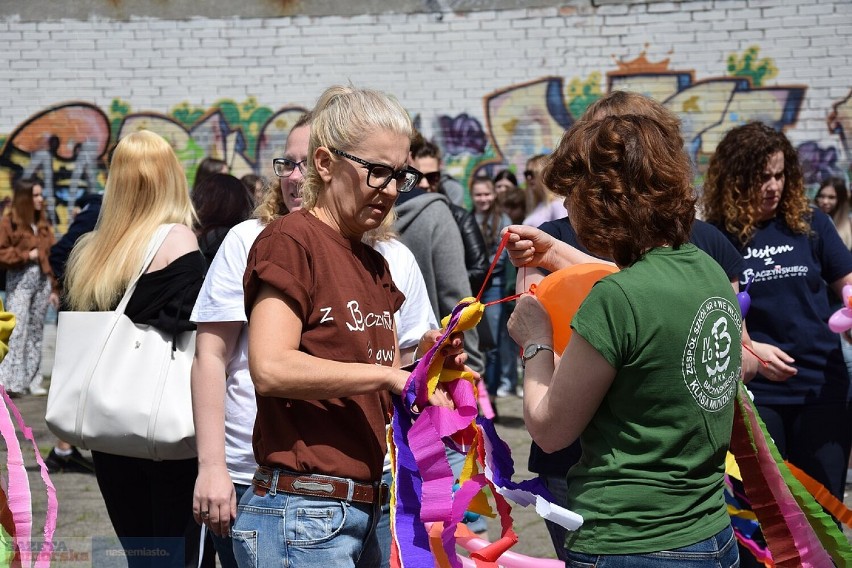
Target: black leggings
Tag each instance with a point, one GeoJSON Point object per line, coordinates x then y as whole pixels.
{"type": "Point", "coordinates": [814, 437]}
{"type": "Point", "coordinates": [150, 507]}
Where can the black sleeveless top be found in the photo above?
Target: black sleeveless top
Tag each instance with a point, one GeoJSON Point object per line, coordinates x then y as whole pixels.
{"type": "Point", "coordinates": [165, 298]}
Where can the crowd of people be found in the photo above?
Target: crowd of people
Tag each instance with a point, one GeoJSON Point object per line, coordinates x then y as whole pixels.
{"type": "Point", "coordinates": [311, 291]}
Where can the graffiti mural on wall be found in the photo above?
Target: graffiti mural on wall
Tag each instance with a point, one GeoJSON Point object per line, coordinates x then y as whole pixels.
{"type": "Point", "coordinates": [67, 144]}
{"type": "Point", "coordinates": [529, 118]}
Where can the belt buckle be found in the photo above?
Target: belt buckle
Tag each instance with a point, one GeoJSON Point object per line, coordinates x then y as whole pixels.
{"type": "Point", "coordinates": [313, 485]}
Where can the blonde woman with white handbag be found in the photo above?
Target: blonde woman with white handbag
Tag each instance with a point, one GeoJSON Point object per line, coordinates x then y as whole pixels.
{"type": "Point", "coordinates": [149, 501]}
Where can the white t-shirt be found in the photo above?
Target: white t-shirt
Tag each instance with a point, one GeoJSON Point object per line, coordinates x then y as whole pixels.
{"type": "Point", "coordinates": [415, 317]}
{"type": "Point", "coordinates": [221, 299]}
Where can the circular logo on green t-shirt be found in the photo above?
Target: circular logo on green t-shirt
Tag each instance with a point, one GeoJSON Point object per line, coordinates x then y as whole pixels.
{"type": "Point", "coordinates": [712, 356]}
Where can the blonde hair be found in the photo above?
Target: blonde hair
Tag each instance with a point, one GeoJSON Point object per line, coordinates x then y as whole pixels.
{"type": "Point", "coordinates": [271, 204]}
{"type": "Point", "coordinates": [343, 118]}
{"type": "Point", "coordinates": [146, 187]}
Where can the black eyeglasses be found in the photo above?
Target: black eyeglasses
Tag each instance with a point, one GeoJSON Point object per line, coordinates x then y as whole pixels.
{"type": "Point", "coordinates": [529, 174]}
{"type": "Point", "coordinates": [380, 175]}
{"type": "Point", "coordinates": [283, 167]}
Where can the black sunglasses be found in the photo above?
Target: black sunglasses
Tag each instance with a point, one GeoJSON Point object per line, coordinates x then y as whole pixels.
{"type": "Point", "coordinates": [380, 175]}
{"type": "Point", "coordinates": [432, 178]}
{"type": "Point", "coordinates": [283, 167]}
{"type": "Point", "coordinates": [529, 174]}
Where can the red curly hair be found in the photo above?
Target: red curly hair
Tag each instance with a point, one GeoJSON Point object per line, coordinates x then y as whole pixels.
{"type": "Point", "coordinates": [627, 182]}
{"type": "Point", "coordinates": [732, 198]}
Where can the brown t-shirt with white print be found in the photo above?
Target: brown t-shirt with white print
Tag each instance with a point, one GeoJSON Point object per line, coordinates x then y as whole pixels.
{"type": "Point", "coordinates": [346, 300]}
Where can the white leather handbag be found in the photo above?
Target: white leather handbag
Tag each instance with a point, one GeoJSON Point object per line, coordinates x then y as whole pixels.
{"type": "Point", "coordinates": [121, 388]}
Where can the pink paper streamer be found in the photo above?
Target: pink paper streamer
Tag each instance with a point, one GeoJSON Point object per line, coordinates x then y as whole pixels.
{"type": "Point", "coordinates": [807, 544]}
{"type": "Point", "coordinates": [20, 497]}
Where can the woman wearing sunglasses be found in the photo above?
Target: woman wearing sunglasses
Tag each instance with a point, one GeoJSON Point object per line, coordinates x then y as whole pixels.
{"type": "Point", "coordinates": [323, 350]}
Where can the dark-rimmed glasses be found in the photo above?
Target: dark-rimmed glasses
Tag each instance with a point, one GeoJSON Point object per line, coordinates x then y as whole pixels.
{"type": "Point", "coordinates": [284, 167]}
{"type": "Point", "coordinates": [380, 175]}
{"type": "Point", "coordinates": [432, 178]}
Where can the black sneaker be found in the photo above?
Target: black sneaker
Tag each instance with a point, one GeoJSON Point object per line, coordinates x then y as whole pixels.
{"type": "Point", "coordinates": [73, 463]}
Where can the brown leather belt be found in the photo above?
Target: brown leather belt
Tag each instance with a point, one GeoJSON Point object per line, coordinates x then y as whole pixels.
{"type": "Point", "coordinates": [320, 486]}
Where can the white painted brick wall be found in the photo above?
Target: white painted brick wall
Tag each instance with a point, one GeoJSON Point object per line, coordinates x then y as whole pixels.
{"type": "Point", "coordinates": [436, 66]}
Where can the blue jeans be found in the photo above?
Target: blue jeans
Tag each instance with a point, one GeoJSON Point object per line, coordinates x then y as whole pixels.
{"type": "Point", "coordinates": [846, 347]}
{"type": "Point", "coordinates": [223, 545]}
{"type": "Point", "coordinates": [492, 319]}
{"type": "Point", "coordinates": [284, 529]}
{"type": "Point", "coordinates": [719, 551]}
{"type": "Point", "coordinates": [383, 532]}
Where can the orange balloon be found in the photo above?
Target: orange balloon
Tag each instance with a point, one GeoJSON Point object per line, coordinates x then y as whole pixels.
{"type": "Point", "coordinates": [562, 292]}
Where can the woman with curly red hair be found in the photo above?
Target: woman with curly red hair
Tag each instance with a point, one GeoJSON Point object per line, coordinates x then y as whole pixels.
{"type": "Point", "coordinates": [754, 193]}
{"type": "Point", "coordinates": [648, 379]}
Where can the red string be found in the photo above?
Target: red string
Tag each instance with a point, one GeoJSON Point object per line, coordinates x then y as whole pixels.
{"type": "Point", "coordinates": [503, 242]}
{"type": "Point", "coordinates": [506, 299]}
{"type": "Point", "coordinates": [765, 364]}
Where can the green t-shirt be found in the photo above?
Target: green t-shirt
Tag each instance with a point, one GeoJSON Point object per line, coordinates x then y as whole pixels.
{"type": "Point", "coordinates": [651, 474]}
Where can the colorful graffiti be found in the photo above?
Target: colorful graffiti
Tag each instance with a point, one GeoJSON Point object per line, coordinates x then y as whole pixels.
{"type": "Point", "coordinates": [529, 118]}
{"type": "Point", "coordinates": [67, 144]}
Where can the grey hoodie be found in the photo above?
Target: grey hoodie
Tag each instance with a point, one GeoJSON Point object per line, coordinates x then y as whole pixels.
{"type": "Point", "coordinates": [427, 227]}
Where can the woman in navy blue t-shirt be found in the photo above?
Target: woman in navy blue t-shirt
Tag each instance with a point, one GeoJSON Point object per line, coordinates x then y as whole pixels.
{"type": "Point", "coordinates": [754, 193]}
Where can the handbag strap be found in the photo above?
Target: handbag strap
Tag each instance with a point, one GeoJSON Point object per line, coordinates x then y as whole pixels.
{"type": "Point", "coordinates": [153, 246]}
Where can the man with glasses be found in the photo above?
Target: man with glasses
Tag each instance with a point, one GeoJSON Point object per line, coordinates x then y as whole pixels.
{"type": "Point", "coordinates": [426, 226]}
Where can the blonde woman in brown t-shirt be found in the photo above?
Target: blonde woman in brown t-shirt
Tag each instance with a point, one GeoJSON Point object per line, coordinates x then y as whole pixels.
{"type": "Point", "coordinates": [323, 351]}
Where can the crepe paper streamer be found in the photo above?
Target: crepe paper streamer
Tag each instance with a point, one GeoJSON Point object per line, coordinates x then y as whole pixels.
{"type": "Point", "coordinates": [18, 492]}
{"type": "Point", "coordinates": [760, 553]}
{"type": "Point", "coordinates": [562, 292]}
{"type": "Point", "coordinates": [841, 320]}
{"type": "Point", "coordinates": [499, 469]}
{"type": "Point", "coordinates": [480, 558]}
{"type": "Point", "coordinates": [18, 488]}
{"type": "Point", "coordinates": [789, 536]}
{"type": "Point", "coordinates": [831, 538]}
{"type": "Point", "coordinates": [423, 480]}
{"type": "Point", "coordinates": [508, 559]}
{"type": "Point", "coordinates": [52, 511]}
{"type": "Point", "coordinates": [743, 520]}
{"type": "Point", "coordinates": [822, 495]}
{"type": "Point", "coordinates": [7, 532]}
{"type": "Point", "coordinates": [484, 400]}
